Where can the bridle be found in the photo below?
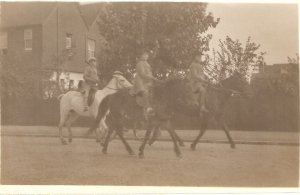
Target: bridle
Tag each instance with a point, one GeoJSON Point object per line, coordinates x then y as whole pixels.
{"type": "Point", "coordinates": [222, 88]}
{"type": "Point", "coordinates": [118, 84]}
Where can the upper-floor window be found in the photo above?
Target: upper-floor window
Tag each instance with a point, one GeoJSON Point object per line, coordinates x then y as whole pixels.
{"type": "Point", "coordinates": [28, 39]}
{"type": "Point", "coordinates": [91, 46]}
{"type": "Point", "coordinates": [3, 42]}
{"type": "Point", "coordinates": [68, 41]}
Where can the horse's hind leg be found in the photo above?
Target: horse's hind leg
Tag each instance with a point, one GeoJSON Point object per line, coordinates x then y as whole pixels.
{"type": "Point", "coordinates": [71, 119]}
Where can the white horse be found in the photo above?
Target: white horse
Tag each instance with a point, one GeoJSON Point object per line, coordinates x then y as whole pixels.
{"type": "Point", "coordinates": [72, 103]}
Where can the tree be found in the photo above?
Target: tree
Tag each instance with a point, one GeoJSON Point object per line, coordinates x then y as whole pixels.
{"type": "Point", "coordinates": [172, 31]}
{"type": "Point", "coordinates": [292, 60]}
{"type": "Point", "coordinates": [20, 79]}
{"type": "Point", "coordinates": [232, 57]}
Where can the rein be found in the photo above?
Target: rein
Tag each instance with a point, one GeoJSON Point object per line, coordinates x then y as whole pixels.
{"type": "Point", "coordinates": [222, 88]}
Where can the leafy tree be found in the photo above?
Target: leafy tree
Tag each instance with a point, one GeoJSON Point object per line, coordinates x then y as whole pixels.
{"type": "Point", "coordinates": [172, 31]}
{"type": "Point", "coordinates": [232, 57]}
{"type": "Point", "coordinates": [20, 79]}
{"type": "Point", "coordinates": [292, 60]}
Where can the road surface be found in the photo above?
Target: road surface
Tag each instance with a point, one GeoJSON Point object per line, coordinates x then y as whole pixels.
{"type": "Point", "coordinates": [43, 160]}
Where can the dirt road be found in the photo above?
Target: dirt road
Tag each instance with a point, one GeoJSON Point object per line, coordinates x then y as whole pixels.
{"type": "Point", "coordinates": [43, 160]}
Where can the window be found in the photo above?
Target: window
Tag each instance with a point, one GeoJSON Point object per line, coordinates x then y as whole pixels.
{"type": "Point", "coordinates": [28, 39]}
{"type": "Point", "coordinates": [3, 42]}
{"type": "Point", "coordinates": [91, 46]}
{"type": "Point", "coordinates": [62, 84]}
{"type": "Point", "coordinates": [68, 41]}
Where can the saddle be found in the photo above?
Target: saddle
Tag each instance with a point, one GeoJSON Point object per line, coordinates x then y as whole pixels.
{"type": "Point", "coordinates": [138, 98]}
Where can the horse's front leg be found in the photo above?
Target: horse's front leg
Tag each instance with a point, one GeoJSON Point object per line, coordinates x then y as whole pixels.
{"type": "Point", "coordinates": [147, 136]}
{"type": "Point", "coordinates": [105, 145]}
{"type": "Point", "coordinates": [155, 135]}
{"type": "Point", "coordinates": [172, 134]}
{"type": "Point", "coordinates": [119, 132]}
{"type": "Point", "coordinates": [226, 130]}
{"type": "Point", "coordinates": [180, 142]}
{"type": "Point", "coordinates": [203, 126]}
{"type": "Point", "coordinates": [63, 117]}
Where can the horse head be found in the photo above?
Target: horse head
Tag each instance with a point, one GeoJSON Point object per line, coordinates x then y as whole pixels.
{"type": "Point", "coordinates": [237, 82]}
{"type": "Point", "coordinates": [118, 82]}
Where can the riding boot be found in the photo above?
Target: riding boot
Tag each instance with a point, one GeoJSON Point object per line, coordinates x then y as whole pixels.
{"type": "Point", "coordinates": [202, 103]}
{"type": "Point", "coordinates": [85, 102]}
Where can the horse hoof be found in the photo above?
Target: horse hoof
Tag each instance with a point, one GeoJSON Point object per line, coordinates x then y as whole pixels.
{"type": "Point", "coordinates": [141, 155]}
{"type": "Point", "coordinates": [179, 155]}
{"type": "Point", "coordinates": [104, 152]}
{"type": "Point", "coordinates": [63, 142]}
{"type": "Point", "coordinates": [131, 153]}
{"type": "Point", "coordinates": [181, 144]}
{"type": "Point", "coordinates": [232, 146]}
{"type": "Point", "coordinates": [70, 140]}
{"type": "Point", "coordinates": [193, 147]}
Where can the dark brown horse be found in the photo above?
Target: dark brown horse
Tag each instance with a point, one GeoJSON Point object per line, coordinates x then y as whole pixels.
{"type": "Point", "coordinates": [173, 98]}
{"type": "Point", "coordinates": [169, 98]}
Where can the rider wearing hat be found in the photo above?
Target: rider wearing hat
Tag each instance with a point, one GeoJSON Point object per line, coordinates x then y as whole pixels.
{"type": "Point", "coordinates": [143, 81]}
{"type": "Point", "coordinates": [90, 78]}
{"type": "Point", "coordinates": [198, 83]}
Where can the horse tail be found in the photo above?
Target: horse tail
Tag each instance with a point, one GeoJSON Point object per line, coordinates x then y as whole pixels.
{"type": "Point", "coordinates": [102, 110]}
{"type": "Point", "coordinates": [60, 96]}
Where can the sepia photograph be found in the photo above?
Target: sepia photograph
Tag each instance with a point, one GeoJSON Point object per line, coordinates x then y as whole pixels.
{"type": "Point", "coordinates": [178, 94]}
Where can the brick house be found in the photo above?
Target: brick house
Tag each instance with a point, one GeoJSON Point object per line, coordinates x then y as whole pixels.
{"type": "Point", "coordinates": [37, 32]}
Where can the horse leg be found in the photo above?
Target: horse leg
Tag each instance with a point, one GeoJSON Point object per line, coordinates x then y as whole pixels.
{"type": "Point", "coordinates": [63, 117]}
{"type": "Point", "coordinates": [105, 145]}
{"type": "Point", "coordinates": [171, 132]}
{"type": "Point", "coordinates": [103, 129]}
{"type": "Point", "coordinates": [225, 129]}
{"type": "Point", "coordinates": [71, 119]}
{"type": "Point", "coordinates": [120, 134]}
{"type": "Point", "coordinates": [180, 142]}
{"type": "Point", "coordinates": [147, 136]}
{"type": "Point", "coordinates": [154, 136]}
{"type": "Point", "coordinates": [202, 131]}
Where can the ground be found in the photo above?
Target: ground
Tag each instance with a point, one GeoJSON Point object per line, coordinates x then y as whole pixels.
{"type": "Point", "coordinates": [43, 160]}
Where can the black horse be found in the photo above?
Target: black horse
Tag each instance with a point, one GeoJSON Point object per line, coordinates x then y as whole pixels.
{"type": "Point", "coordinates": [169, 98]}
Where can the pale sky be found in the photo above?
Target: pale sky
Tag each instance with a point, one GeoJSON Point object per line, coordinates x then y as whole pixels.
{"type": "Point", "coordinates": [273, 26]}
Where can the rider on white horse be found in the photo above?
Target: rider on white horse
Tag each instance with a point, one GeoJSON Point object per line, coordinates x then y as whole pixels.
{"type": "Point", "coordinates": [72, 104]}
{"type": "Point", "coordinates": [91, 80]}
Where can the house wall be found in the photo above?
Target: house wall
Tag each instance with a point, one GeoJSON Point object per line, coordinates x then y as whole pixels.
{"type": "Point", "coordinates": [68, 21]}
{"type": "Point", "coordinates": [15, 45]}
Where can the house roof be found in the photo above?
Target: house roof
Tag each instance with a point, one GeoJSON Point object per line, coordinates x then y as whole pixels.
{"type": "Point", "coordinates": [24, 13]}
{"type": "Point", "coordinates": [32, 13]}
{"type": "Point", "coordinates": [90, 11]}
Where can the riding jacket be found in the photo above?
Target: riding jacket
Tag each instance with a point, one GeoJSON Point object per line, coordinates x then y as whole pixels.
{"type": "Point", "coordinates": [196, 75]}
{"type": "Point", "coordinates": [144, 78]}
{"type": "Point", "coordinates": [90, 75]}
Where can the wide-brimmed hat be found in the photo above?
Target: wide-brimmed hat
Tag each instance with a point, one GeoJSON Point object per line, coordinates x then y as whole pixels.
{"type": "Point", "coordinates": [92, 59]}
{"type": "Point", "coordinates": [118, 73]}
